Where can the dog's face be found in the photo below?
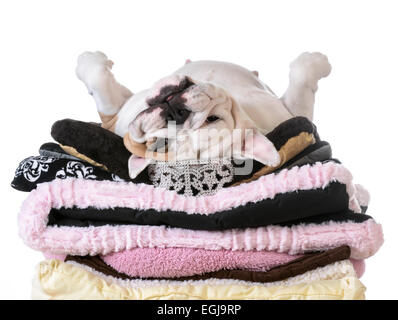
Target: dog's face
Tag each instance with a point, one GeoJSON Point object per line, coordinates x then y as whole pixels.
{"type": "Point", "coordinates": [190, 104]}
{"type": "Point", "coordinates": [208, 125]}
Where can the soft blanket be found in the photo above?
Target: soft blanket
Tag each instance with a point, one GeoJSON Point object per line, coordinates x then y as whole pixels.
{"type": "Point", "coordinates": [103, 146]}
{"type": "Point", "coordinates": [288, 195]}
{"type": "Point", "coordinates": [52, 163]}
{"type": "Point", "coordinates": [278, 273]}
{"type": "Point", "coordinates": [59, 280]}
{"type": "Point", "coordinates": [361, 233]}
{"type": "Point", "coordinates": [181, 262]}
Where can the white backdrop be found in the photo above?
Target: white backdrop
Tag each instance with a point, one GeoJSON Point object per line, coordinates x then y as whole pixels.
{"type": "Point", "coordinates": [356, 106]}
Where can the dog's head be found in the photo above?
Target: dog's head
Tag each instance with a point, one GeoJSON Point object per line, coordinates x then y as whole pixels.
{"type": "Point", "coordinates": [187, 119]}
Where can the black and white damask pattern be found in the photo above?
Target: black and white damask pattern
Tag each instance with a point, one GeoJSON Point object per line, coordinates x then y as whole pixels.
{"type": "Point", "coordinates": [76, 169]}
{"type": "Point", "coordinates": [31, 168]}
{"type": "Point", "coordinates": [35, 170]}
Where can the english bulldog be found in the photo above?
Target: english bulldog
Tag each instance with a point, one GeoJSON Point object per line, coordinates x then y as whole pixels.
{"type": "Point", "coordinates": [204, 110]}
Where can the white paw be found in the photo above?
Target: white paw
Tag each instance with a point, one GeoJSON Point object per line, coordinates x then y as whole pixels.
{"type": "Point", "coordinates": [310, 67]}
{"type": "Point", "coordinates": [89, 63]}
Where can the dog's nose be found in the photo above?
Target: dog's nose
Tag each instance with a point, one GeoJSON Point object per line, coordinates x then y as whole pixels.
{"type": "Point", "coordinates": [171, 102]}
{"type": "Point", "coordinates": [175, 110]}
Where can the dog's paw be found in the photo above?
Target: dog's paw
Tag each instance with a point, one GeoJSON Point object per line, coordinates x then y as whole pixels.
{"type": "Point", "coordinates": [91, 62]}
{"type": "Point", "coordinates": [310, 67]}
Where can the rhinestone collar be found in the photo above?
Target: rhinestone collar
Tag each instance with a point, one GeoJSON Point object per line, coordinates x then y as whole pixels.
{"type": "Point", "coordinates": [192, 177]}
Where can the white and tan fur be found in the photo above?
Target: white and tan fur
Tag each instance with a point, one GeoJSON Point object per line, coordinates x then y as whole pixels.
{"type": "Point", "coordinates": [232, 93]}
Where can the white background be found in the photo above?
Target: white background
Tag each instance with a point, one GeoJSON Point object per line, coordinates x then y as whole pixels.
{"type": "Point", "coordinates": [356, 106]}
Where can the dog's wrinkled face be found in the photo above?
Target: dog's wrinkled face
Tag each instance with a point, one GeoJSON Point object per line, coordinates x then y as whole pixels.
{"type": "Point", "coordinates": [191, 105]}
{"type": "Point", "coordinates": [205, 124]}
{"type": "Point", "coordinates": [200, 111]}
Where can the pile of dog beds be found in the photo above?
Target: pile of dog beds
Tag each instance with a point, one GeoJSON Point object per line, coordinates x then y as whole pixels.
{"type": "Point", "coordinates": [296, 231]}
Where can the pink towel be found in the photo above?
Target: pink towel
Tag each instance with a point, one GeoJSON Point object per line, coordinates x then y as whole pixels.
{"type": "Point", "coordinates": [180, 262]}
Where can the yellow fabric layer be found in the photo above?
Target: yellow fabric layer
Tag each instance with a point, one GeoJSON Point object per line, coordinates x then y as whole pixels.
{"type": "Point", "coordinates": [73, 152]}
{"type": "Point", "coordinates": [58, 280]}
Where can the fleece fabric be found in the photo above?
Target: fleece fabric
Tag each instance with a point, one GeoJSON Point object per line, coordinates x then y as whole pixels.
{"type": "Point", "coordinates": [283, 208]}
{"type": "Point", "coordinates": [120, 262]}
{"type": "Point", "coordinates": [287, 198]}
{"type": "Point", "coordinates": [105, 194]}
{"type": "Point", "coordinates": [48, 150]}
{"type": "Point", "coordinates": [336, 270]}
{"type": "Point", "coordinates": [291, 269]}
{"type": "Point", "coordinates": [106, 148]}
{"type": "Point", "coordinates": [59, 280]}
{"type": "Point", "coordinates": [331, 271]}
{"type": "Point", "coordinates": [96, 143]}
{"type": "Point", "coordinates": [364, 238]}
{"type": "Point", "coordinates": [35, 170]}
{"type": "Point", "coordinates": [181, 262]}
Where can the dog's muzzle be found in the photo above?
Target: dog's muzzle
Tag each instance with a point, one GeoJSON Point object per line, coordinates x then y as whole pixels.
{"type": "Point", "coordinates": [168, 105]}
{"type": "Point", "coordinates": [171, 102]}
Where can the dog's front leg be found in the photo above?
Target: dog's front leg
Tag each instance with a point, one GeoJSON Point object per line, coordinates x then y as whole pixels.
{"type": "Point", "coordinates": [94, 69]}
{"type": "Point", "coordinates": [305, 72]}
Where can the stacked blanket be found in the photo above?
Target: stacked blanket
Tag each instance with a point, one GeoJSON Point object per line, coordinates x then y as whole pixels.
{"type": "Point", "coordinates": [296, 231]}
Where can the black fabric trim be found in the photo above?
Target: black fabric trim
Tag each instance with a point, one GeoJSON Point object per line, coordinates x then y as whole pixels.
{"type": "Point", "coordinates": [340, 217]}
{"type": "Point", "coordinates": [281, 209]}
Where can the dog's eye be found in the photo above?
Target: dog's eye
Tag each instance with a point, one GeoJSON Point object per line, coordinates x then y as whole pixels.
{"type": "Point", "coordinates": [212, 119]}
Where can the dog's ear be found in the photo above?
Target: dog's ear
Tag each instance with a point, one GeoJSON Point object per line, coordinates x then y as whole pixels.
{"type": "Point", "coordinates": [258, 147]}
{"type": "Point", "coordinates": [137, 165]}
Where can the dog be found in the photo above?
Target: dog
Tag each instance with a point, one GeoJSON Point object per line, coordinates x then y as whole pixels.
{"type": "Point", "coordinates": [216, 108]}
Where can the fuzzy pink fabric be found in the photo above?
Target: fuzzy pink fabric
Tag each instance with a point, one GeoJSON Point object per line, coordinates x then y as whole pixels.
{"type": "Point", "coordinates": [107, 194]}
{"type": "Point", "coordinates": [180, 262]}
{"type": "Point", "coordinates": [363, 238]}
{"type": "Point", "coordinates": [157, 262]}
{"type": "Point", "coordinates": [359, 266]}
